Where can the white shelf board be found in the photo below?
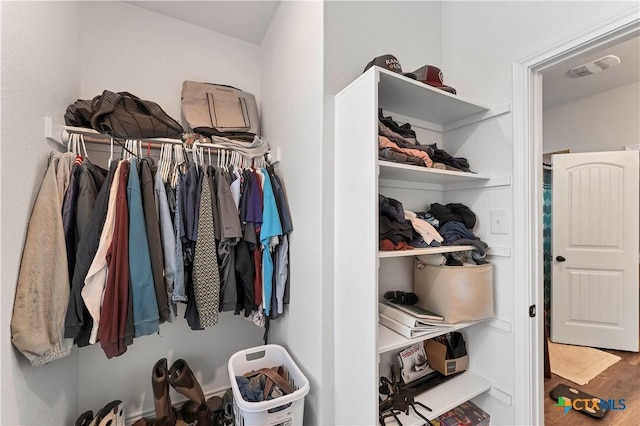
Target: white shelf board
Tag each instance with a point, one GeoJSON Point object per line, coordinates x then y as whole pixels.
{"type": "Point", "coordinates": [405, 172]}
{"type": "Point", "coordinates": [389, 340]}
{"type": "Point", "coordinates": [403, 95]}
{"type": "Point", "coordinates": [95, 133]}
{"type": "Point", "coordinates": [420, 251]}
{"type": "Point", "coordinates": [444, 397]}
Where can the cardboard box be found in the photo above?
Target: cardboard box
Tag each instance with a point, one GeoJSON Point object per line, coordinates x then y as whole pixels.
{"type": "Point", "coordinates": [437, 359]}
{"type": "Point", "coordinates": [465, 414]}
{"type": "Point", "coordinates": [458, 293]}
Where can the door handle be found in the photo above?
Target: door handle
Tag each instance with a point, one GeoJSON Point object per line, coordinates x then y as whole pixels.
{"type": "Point", "coordinates": [560, 258]}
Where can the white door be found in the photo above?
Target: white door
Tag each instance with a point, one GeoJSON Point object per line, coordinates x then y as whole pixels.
{"type": "Point", "coordinates": [594, 250]}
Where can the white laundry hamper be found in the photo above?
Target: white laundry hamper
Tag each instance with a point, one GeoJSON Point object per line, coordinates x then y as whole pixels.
{"type": "Point", "coordinates": [287, 410]}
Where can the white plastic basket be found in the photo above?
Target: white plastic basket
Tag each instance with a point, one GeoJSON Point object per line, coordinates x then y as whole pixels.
{"type": "Point", "coordinates": [286, 410]}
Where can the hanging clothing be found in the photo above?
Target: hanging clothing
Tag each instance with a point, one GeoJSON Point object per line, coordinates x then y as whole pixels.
{"type": "Point", "coordinates": [115, 301]}
{"type": "Point", "coordinates": [78, 321]}
{"type": "Point", "coordinates": [271, 227]}
{"type": "Point", "coordinates": [152, 225]}
{"type": "Point", "coordinates": [42, 292]}
{"type": "Point", "coordinates": [281, 256]}
{"type": "Point", "coordinates": [90, 182]}
{"type": "Point", "coordinates": [190, 202]}
{"type": "Point", "coordinates": [145, 305]}
{"type": "Point", "coordinates": [231, 233]}
{"type": "Point", "coordinates": [282, 272]}
{"type": "Point", "coordinates": [69, 217]}
{"type": "Point", "coordinates": [168, 242]}
{"type": "Point", "coordinates": [206, 277]}
{"type": "Point", "coordinates": [95, 281]}
{"type": "Point", "coordinates": [179, 291]}
{"type": "Point", "coordinates": [63, 173]}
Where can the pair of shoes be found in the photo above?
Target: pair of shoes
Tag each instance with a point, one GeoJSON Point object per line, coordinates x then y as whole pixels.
{"type": "Point", "coordinates": [111, 414]}
{"type": "Point", "coordinates": [222, 409]}
{"type": "Point", "coordinates": [182, 379]}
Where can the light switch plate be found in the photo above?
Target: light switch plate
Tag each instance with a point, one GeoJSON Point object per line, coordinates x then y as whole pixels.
{"type": "Point", "coordinates": [499, 221]}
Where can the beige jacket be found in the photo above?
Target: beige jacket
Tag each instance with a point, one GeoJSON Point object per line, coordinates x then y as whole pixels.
{"type": "Point", "coordinates": [42, 293]}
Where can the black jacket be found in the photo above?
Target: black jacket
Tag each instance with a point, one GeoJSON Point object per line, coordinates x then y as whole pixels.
{"type": "Point", "coordinates": [78, 322]}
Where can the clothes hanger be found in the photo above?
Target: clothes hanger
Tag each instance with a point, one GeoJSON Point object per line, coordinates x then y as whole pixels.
{"type": "Point", "coordinates": [168, 162]}
{"type": "Point", "coordinates": [70, 141]}
{"type": "Point", "coordinates": [110, 153]}
{"type": "Point", "coordinates": [84, 146]}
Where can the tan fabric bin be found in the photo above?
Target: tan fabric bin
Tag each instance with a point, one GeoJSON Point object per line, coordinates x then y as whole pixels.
{"type": "Point", "coordinates": [458, 293]}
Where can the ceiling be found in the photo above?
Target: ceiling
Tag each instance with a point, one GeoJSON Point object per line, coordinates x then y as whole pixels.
{"type": "Point", "coordinates": [246, 20]}
{"type": "Point", "coordinates": [249, 21]}
{"type": "Point", "coordinates": [560, 87]}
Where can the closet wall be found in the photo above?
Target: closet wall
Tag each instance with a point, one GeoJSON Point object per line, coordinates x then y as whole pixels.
{"type": "Point", "coordinates": [291, 91]}
{"type": "Point", "coordinates": [38, 80]}
{"type": "Point", "coordinates": [606, 121]}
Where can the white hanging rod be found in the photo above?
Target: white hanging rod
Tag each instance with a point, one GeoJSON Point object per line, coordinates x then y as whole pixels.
{"type": "Point", "coordinates": [53, 128]}
{"type": "Point", "coordinates": [92, 136]}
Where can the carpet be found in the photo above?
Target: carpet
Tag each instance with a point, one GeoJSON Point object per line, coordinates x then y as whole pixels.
{"type": "Point", "coordinates": [579, 364]}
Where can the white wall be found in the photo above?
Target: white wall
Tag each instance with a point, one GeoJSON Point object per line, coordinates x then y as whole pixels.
{"type": "Point", "coordinates": [150, 55]}
{"type": "Point", "coordinates": [292, 61]}
{"type": "Point", "coordinates": [606, 121]}
{"type": "Point", "coordinates": [40, 77]}
{"type": "Point", "coordinates": [480, 41]}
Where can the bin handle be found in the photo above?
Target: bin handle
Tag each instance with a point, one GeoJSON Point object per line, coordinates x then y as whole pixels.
{"type": "Point", "coordinates": [258, 352]}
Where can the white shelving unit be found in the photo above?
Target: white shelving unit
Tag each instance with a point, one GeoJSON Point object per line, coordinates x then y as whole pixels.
{"type": "Point", "coordinates": [444, 397]}
{"type": "Point", "coordinates": [412, 98]}
{"type": "Point", "coordinates": [357, 258]}
{"type": "Point", "coordinates": [409, 173]}
{"type": "Point", "coordinates": [421, 251]}
{"type": "Point", "coordinates": [389, 340]}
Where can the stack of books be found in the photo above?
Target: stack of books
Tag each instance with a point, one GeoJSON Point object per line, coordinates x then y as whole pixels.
{"type": "Point", "coordinates": [411, 320]}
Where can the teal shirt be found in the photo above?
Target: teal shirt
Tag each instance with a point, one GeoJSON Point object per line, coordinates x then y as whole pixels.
{"type": "Point", "coordinates": [271, 227]}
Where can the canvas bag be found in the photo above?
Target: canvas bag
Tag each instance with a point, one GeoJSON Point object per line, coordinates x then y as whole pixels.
{"type": "Point", "coordinates": [126, 116]}
{"type": "Point", "coordinates": [219, 110]}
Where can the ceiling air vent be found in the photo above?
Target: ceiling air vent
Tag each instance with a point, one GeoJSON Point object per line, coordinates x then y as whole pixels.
{"type": "Point", "coordinates": [595, 66]}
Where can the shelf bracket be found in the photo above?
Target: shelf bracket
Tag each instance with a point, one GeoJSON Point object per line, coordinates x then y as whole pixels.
{"type": "Point", "coordinates": [53, 131]}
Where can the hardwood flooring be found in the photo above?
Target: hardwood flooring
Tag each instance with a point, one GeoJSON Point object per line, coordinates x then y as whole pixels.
{"type": "Point", "coordinates": [621, 380]}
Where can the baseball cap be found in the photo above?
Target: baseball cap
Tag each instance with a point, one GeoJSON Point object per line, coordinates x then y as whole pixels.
{"type": "Point", "coordinates": [432, 76]}
{"type": "Point", "coordinates": [389, 62]}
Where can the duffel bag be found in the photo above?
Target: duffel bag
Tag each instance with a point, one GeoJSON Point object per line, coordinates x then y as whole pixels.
{"type": "Point", "coordinates": [126, 116]}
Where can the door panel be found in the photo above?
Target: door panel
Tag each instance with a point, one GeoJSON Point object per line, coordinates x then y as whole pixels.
{"type": "Point", "coordinates": [595, 229]}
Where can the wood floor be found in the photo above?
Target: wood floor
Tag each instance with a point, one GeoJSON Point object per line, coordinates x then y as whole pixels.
{"type": "Point", "coordinates": [621, 380]}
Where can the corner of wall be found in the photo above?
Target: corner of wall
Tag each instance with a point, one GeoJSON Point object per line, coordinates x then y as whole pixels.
{"type": "Point", "coordinates": [40, 77]}
{"type": "Point", "coordinates": [291, 108]}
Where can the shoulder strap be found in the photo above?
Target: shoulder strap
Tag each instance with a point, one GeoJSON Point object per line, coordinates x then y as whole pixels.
{"type": "Point", "coordinates": [104, 104]}
{"type": "Point", "coordinates": [284, 385]}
